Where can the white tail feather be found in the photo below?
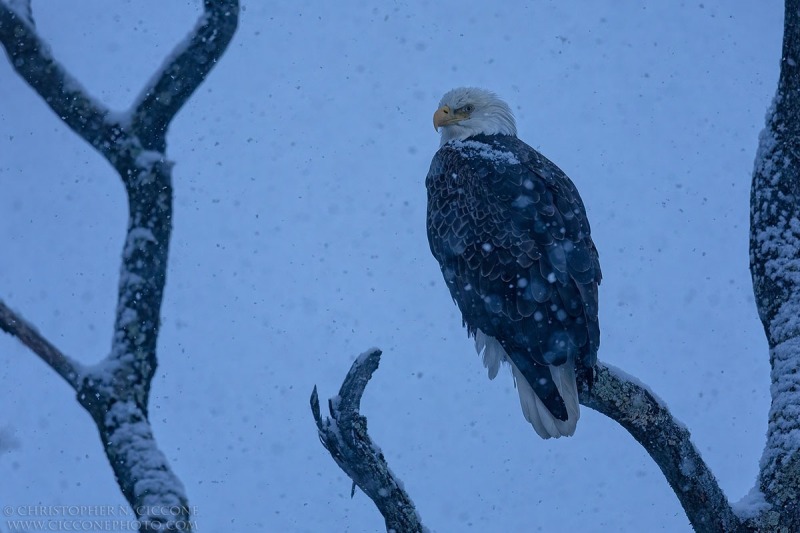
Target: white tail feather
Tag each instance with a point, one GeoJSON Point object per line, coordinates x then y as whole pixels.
{"type": "Point", "coordinates": [493, 353]}
{"type": "Point", "coordinates": [543, 422]}
{"type": "Point", "coordinates": [567, 385]}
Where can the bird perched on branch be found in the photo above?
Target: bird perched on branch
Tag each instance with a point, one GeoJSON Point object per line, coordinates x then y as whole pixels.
{"type": "Point", "coordinates": [512, 239]}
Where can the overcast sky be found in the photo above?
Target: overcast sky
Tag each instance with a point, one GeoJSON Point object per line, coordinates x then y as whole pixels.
{"type": "Point", "coordinates": [299, 242]}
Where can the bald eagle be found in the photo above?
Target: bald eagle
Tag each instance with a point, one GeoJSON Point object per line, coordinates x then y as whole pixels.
{"type": "Point", "coordinates": [511, 236]}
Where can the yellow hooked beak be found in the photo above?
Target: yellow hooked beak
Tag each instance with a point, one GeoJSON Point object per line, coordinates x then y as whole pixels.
{"type": "Point", "coordinates": [444, 116]}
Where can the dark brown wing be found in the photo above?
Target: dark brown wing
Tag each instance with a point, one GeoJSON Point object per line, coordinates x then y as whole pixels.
{"type": "Point", "coordinates": [511, 236]}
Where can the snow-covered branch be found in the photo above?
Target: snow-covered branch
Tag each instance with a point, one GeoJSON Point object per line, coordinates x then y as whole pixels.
{"type": "Point", "coordinates": [633, 406]}
{"type": "Point", "coordinates": [775, 268]}
{"type": "Point", "coordinates": [15, 325]}
{"type": "Point", "coordinates": [141, 469]}
{"type": "Point", "coordinates": [184, 71]}
{"type": "Point", "coordinates": [344, 435]}
{"type": "Point", "coordinates": [774, 222]}
{"type": "Point", "coordinates": [116, 391]}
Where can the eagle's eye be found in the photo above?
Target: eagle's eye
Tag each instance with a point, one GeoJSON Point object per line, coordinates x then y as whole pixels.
{"type": "Point", "coordinates": [469, 108]}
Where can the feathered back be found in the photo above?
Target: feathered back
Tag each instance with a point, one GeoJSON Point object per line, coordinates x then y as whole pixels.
{"type": "Point", "coordinates": [510, 232]}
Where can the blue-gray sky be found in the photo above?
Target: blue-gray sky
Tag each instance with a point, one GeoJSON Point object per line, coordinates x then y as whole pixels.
{"type": "Point", "coordinates": [299, 242]}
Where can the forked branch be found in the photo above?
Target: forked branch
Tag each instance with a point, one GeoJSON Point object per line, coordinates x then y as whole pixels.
{"type": "Point", "coordinates": [614, 394]}
{"type": "Point", "coordinates": [344, 435]}
{"type": "Point", "coordinates": [116, 391]}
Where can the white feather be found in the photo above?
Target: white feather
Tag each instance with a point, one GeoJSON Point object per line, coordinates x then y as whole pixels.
{"type": "Point", "coordinates": [567, 385]}
{"type": "Point", "coordinates": [535, 412]}
{"type": "Point", "coordinates": [493, 353]}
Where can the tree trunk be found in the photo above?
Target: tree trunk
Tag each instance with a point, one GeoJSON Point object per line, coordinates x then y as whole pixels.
{"type": "Point", "coordinates": [775, 268]}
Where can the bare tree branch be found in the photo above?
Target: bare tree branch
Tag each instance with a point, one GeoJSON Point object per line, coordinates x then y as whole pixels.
{"type": "Point", "coordinates": [23, 9]}
{"type": "Point", "coordinates": [344, 435]}
{"type": "Point", "coordinates": [648, 420]}
{"type": "Point", "coordinates": [31, 58]}
{"type": "Point", "coordinates": [184, 71]}
{"type": "Point", "coordinates": [15, 325]}
{"type": "Point", "coordinates": [116, 391]}
{"type": "Point", "coordinates": [614, 394]}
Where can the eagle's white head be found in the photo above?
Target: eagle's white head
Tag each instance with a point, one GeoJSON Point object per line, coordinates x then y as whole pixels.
{"type": "Point", "coordinates": [469, 111]}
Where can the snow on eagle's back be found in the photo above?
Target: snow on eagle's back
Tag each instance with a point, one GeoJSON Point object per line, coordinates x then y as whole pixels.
{"type": "Point", "coordinates": [476, 148]}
